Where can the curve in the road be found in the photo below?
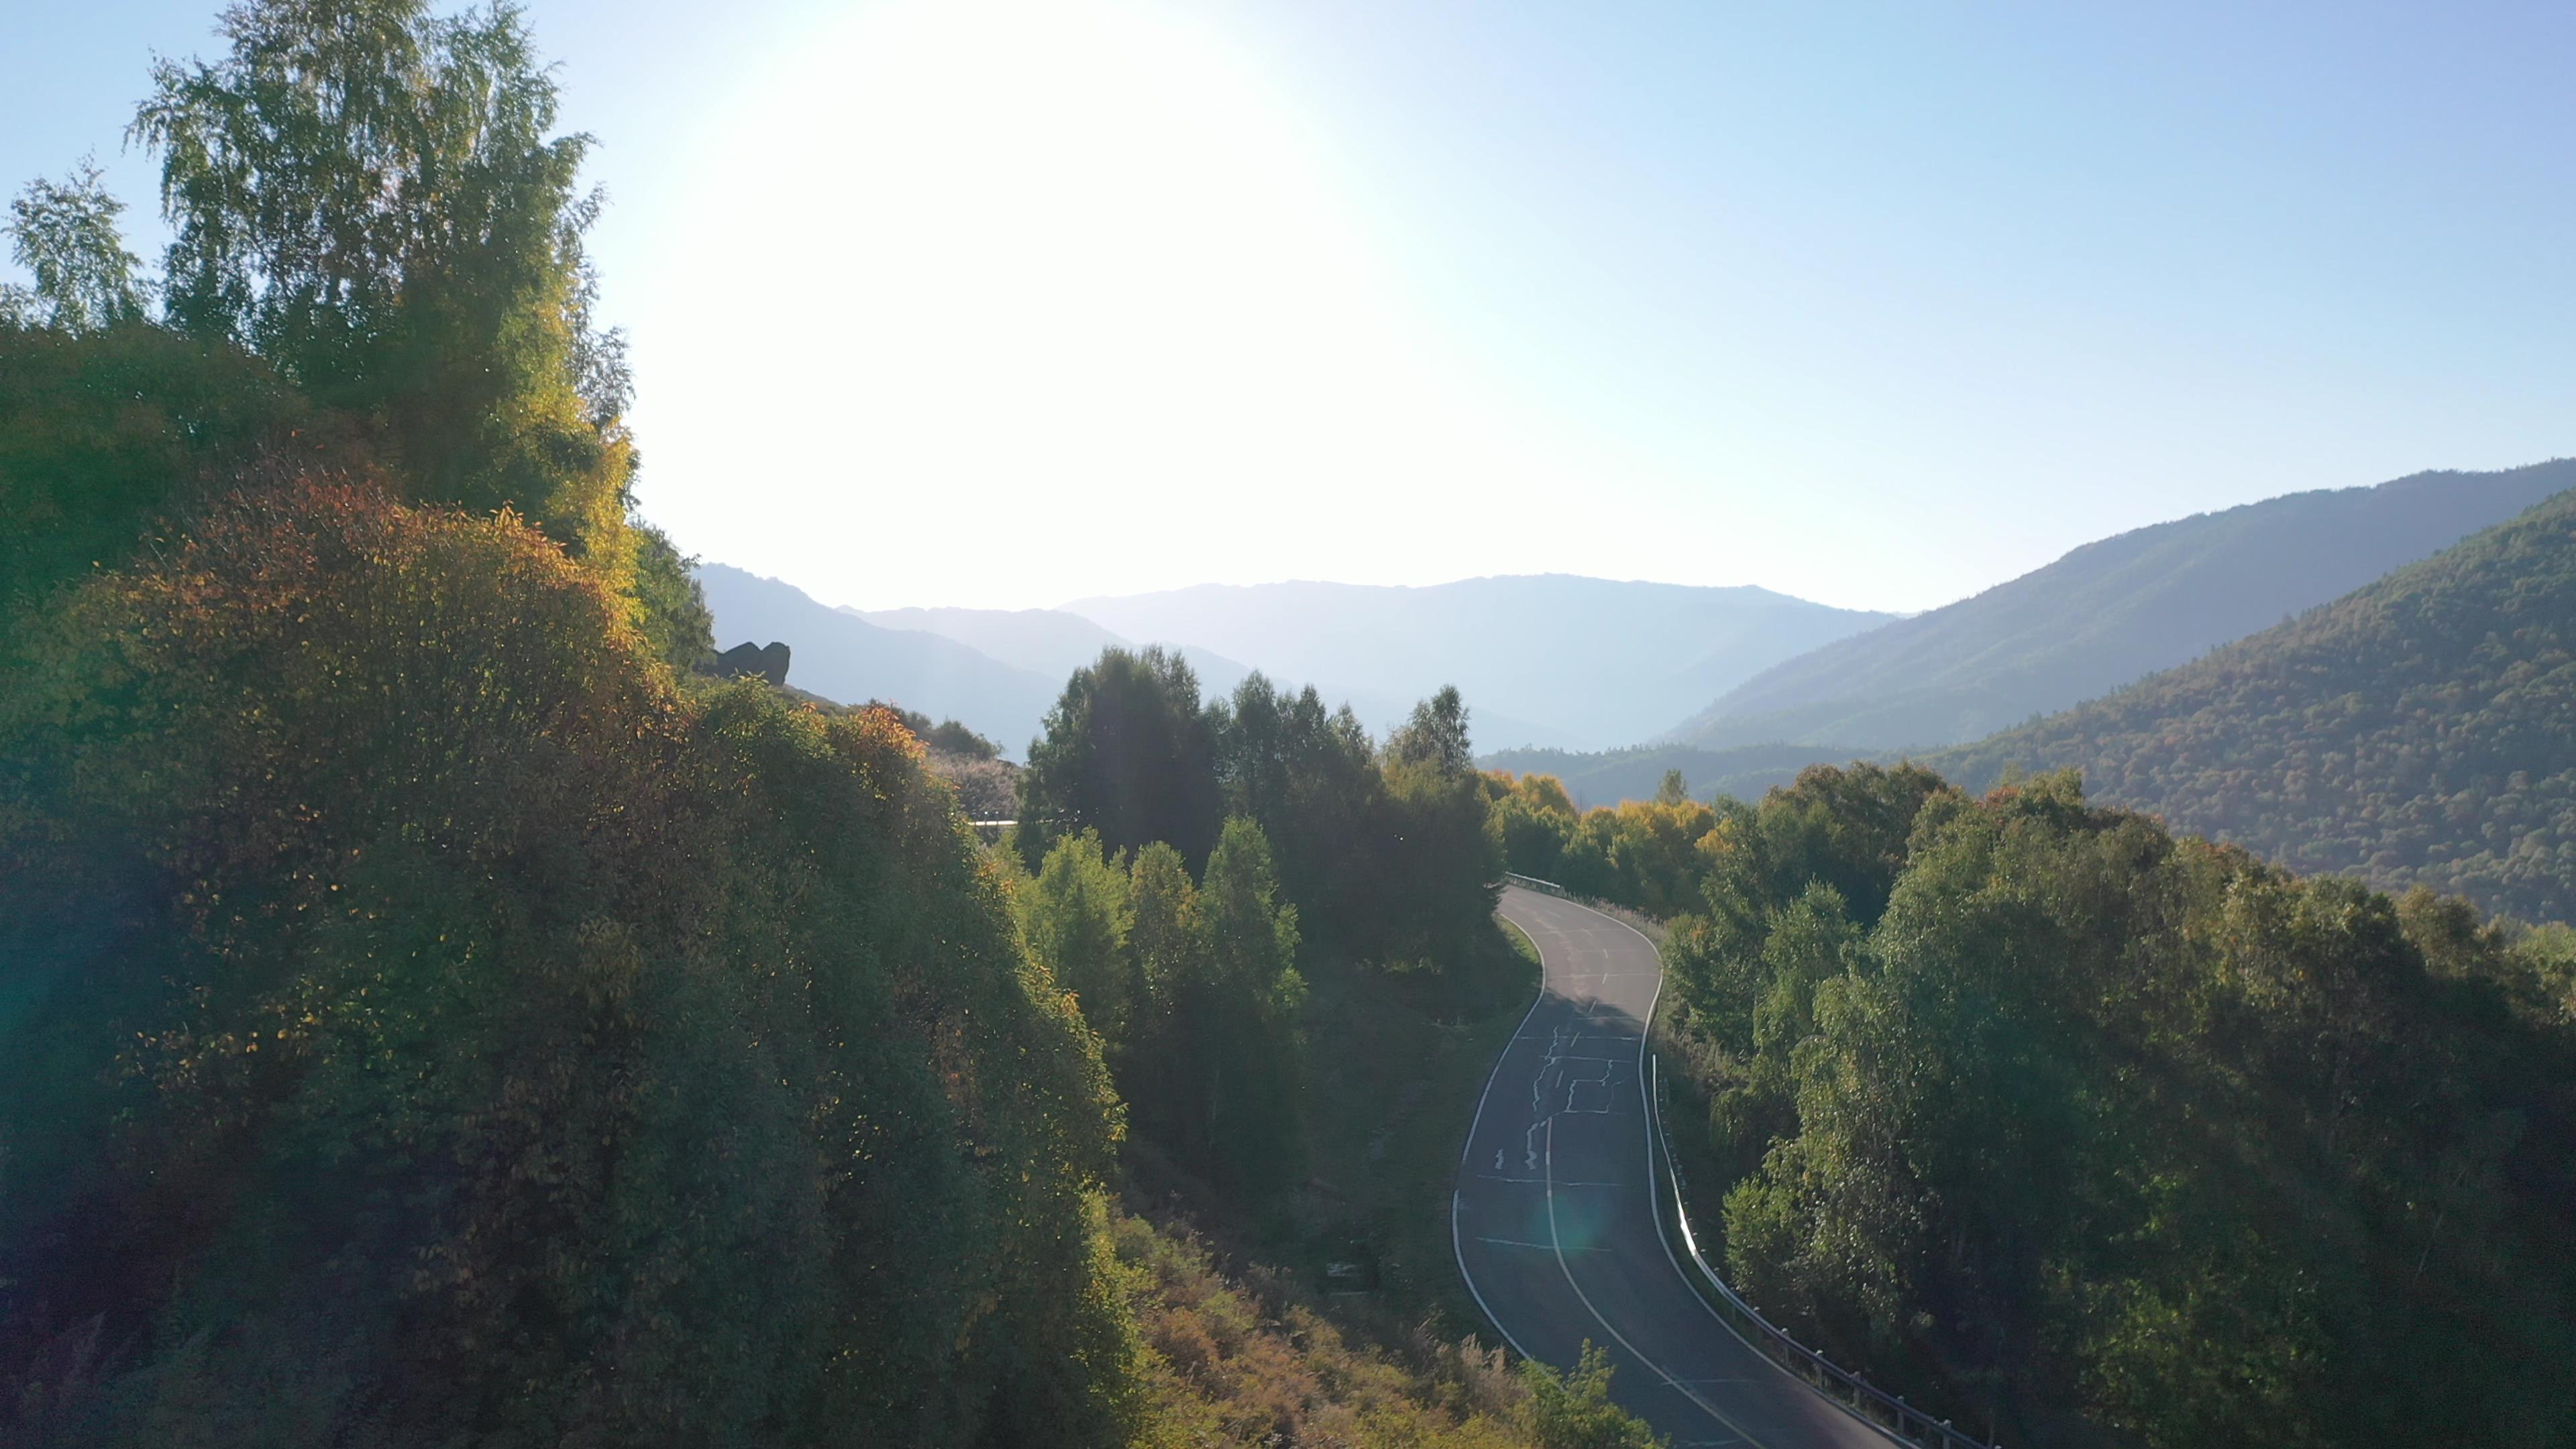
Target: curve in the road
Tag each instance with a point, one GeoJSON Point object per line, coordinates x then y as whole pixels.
{"type": "Point", "coordinates": [1555, 1219]}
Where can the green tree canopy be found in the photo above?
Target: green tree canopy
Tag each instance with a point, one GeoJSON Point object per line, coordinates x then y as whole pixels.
{"type": "Point", "coordinates": [426, 1026]}
{"type": "Point", "coordinates": [102, 433]}
{"type": "Point", "coordinates": [369, 195]}
{"type": "Point", "coordinates": [1129, 752]}
{"type": "Point", "coordinates": [1442, 861]}
{"type": "Point", "coordinates": [1573, 1409]}
{"type": "Point", "coordinates": [677, 624]}
{"type": "Point", "coordinates": [2067, 1116]}
{"type": "Point", "coordinates": [1078, 917]}
{"type": "Point", "coordinates": [66, 234]}
{"type": "Point", "coordinates": [1254, 1126]}
{"type": "Point", "coordinates": [1310, 778]}
{"type": "Point", "coordinates": [1434, 737]}
{"type": "Point", "coordinates": [1213, 1072]}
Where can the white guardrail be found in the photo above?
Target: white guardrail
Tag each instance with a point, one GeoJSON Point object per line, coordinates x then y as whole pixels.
{"type": "Point", "coordinates": [1886, 1412]}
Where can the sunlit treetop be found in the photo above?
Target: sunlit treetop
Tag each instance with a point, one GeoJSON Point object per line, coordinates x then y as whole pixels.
{"type": "Point", "coordinates": [373, 198]}
{"type": "Point", "coordinates": [65, 234]}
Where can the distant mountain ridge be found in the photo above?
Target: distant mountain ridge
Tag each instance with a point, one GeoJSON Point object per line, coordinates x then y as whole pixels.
{"type": "Point", "coordinates": [1609, 777]}
{"type": "Point", "coordinates": [928, 660]}
{"type": "Point", "coordinates": [2420, 730]}
{"type": "Point", "coordinates": [1543, 659]}
{"type": "Point", "coordinates": [2109, 613]}
{"type": "Point", "coordinates": [1049, 643]}
{"type": "Point", "coordinates": [848, 659]}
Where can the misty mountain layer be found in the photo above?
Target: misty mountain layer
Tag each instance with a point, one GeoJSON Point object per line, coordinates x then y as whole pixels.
{"type": "Point", "coordinates": [1548, 659]}
{"type": "Point", "coordinates": [1049, 643]}
{"type": "Point", "coordinates": [994, 670]}
{"type": "Point", "coordinates": [848, 659]}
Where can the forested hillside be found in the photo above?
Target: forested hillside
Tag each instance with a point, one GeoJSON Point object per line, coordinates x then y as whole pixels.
{"type": "Point", "coordinates": [2420, 730]}
{"type": "Point", "coordinates": [461, 1006]}
{"type": "Point", "coordinates": [430, 1014]}
{"type": "Point", "coordinates": [2096, 1135]}
{"type": "Point", "coordinates": [2108, 614]}
{"type": "Point", "coordinates": [1551, 660]}
{"type": "Point", "coordinates": [423, 1021]}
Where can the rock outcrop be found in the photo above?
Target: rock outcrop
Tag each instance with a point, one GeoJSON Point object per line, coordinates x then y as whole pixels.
{"type": "Point", "coordinates": [769, 661]}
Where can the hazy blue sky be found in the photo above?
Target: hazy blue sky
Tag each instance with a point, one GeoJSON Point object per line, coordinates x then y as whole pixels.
{"type": "Point", "coordinates": [993, 303]}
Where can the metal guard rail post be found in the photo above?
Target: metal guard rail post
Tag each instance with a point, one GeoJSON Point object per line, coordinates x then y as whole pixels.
{"type": "Point", "coordinates": [1880, 1409]}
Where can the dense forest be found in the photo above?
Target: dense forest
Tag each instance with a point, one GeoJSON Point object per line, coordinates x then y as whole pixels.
{"type": "Point", "coordinates": [2421, 730]}
{"type": "Point", "coordinates": [431, 1012]}
{"type": "Point", "coordinates": [424, 1018]}
{"type": "Point", "coordinates": [1386, 848]}
{"type": "Point", "coordinates": [434, 1011]}
{"type": "Point", "coordinates": [2098, 1135]}
{"type": "Point", "coordinates": [2108, 614]}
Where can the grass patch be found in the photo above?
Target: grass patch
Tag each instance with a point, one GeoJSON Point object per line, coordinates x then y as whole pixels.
{"type": "Point", "coordinates": [1247, 1359]}
{"type": "Point", "coordinates": [1397, 1063]}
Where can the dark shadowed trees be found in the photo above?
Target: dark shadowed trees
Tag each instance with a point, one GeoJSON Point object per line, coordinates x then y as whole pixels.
{"type": "Point", "coordinates": [1389, 852]}
{"type": "Point", "coordinates": [1129, 752]}
{"type": "Point", "coordinates": [1194, 989]}
{"type": "Point", "coordinates": [1310, 778]}
{"type": "Point", "coordinates": [1434, 738]}
{"type": "Point", "coordinates": [1442, 861]}
{"type": "Point", "coordinates": [1255, 1128]}
{"type": "Point", "coordinates": [1171, 1057]}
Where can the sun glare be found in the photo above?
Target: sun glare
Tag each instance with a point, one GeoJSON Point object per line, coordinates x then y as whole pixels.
{"type": "Point", "coordinates": [1077, 269]}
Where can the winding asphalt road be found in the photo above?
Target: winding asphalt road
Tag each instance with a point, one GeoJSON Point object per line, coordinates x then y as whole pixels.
{"type": "Point", "coordinates": [1555, 1216]}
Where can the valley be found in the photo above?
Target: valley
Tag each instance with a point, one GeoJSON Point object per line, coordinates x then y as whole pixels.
{"type": "Point", "coordinates": [1321, 727]}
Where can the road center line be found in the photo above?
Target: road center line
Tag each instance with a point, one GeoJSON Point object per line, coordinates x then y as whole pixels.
{"type": "Point", "coordinates": [1585, 1299]}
